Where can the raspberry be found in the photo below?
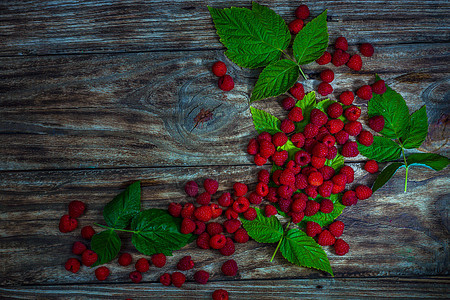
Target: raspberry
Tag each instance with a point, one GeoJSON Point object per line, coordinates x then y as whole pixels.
{"type": "Point", "coordinates": [199, 227]}
{"type": "Point", "coordinates": [203, 241]}
{"type": "Point", "coordinates": [341, 247]}
{"type": "Point", "coordinates": [325, 189]}
{"type": "Point", "coordinates": [320, 150]}
{"type": "Point", "coordinates": [254, 198]}
{"type": "Point", "coordinates": [365, 138]}
{"type": "Point", "coordinates": [175, 209]}
{"type": "Point", "coordinates": [292, 166]}
{"type": "Point", "coordinates": [264, 176]}
{"type": "Point", "coordinates": [72, 265]}
{"type": "Point", "coordinates": [279, 139]}
{"type": "Point", "coordinates": [231, 214]}
{"type": "Point", "coordinates": [285, 205]}
{"type": "Point", "coordinates": [334, 125]}
{"type": "Point", "coordinates": [204, 198]}
{"type": "Point", "coordinates": [217, 241]}
{"type": "Point", "coordinates": [102, 273]}
{"type": "Point", "coordinates": [220, 295]}
{"type": "Point", "coordinates": [188, 211]}
{"type": "Point", "coordinates": [324, 59]}
{"type": "Point", "coordinates": [241, 236]}
{"type": "Point", "coordinates": [226, 83]}
{"type": "Point", "coordinates": [76, 208]}
{"type": "Point", "coordinates": [203, 213]}
{"type": "Point", "coordinates": [371, 166]}
{"type": "Point", "coordinates": [311, 191]}
{"type": "Point", "coordinates": [125, 259]}
{"type": "Point", "coordinates": [295, 115]}
{"type": "Point", "coordinates": [214, 228]}
{"type": "Point", "coordinates": [341, 43]}
{"type": "Point", "coordinates": [142, 265]}
{"type": "Point", "coordinates": [191, 188]}
{"type": "Point", "coordinates": [241, 205]}
{"type": "Point", "coordinates": [312, 207]}
{"type": "Point", "coordinates": [87, 232]}
{"type": "Point", "coordinates": [347, 98]}
{"type": "Point", "coordinates": [308, 170]}
{"type": "Point", "coordinates": [340, 58]}
{"type": "Point", "coordinates": [336, 228]}
{"type": "Point", "coordinates": [285, 191]}
{"type": "Point", "coordinates": [266, 149]}
{"type": "Point", "coordinates": [315, 178]}
{"type": "Point", "coordinates": [318, 162]}
{"type": "Point", "coordinates": [310, 130]}
{"type": "Point", "coordinates": [379, 87]}
{"type": "Point", "coordinates": [326, 206]}
{"type": "Point", "coordinates": [78, 248]}
{"type": "Point", "coordinates": [232, 225]}
{"type": "Point", "coordinates": [262, 189]}
{"type": "Point", "coordinates": [253, 147]}
{"type": "Point", "coordinates": [376, 123]}
{"type": "Point", "coordinates": [287, 126]}
{"type": "Point", "coordinates": [264, 136]}
{"type": "Point", "coordinates": [353, 128]}
{"type": "Point", "coordinates": [318, 117]}
{"type": "Point", "coordinates": [327, 172]}
{"type": "Point", "coordinates": [324, 88]}
{"type": "Point", "coordinates": [297, 217]}
{"type": "Point", "coordinates": [276, 177]}
{"type": "Point", "coordinates": [328, 140]}
{"type": "Point", "coordinates": [216, 211]}
{"type": "Point", "coordinates": [201, 277]}
{"type": "Point", "coordinates": [349, 172]}
{"type": "Point", "coordinates": [67, 224]}
{"type": "Point", "coordinates": [313, 229]}
{"type": "Point", "coordinates": [165, 279]}
{"type": "Point", "coordinates": [363, 192]}
{"type": "Point", "coordinates": [335, 110]}
{"type": "Point", "coordinates": [135, 276]}
{"type": "Point", "coordinates": [323, 131]}
{"type": "Point", "coordinates": [340, 179]}
{"type": "Point", "coordinates": [364, 92]}
{"type": "Point", "coordinates": [295, 26]}
{"type": "Point", "coordinates": [219, 68]}
{"type": "Point", "coordinates": [302, 12]}
{"type": "Point", "coordinates": [355, 62]}
{"type": "Point", "coordinates": [287, 178]}
{"type": "Point", "coordinates": [280, 157]}
{"type": "Point", "coordinates": [187, 226]}
{"type": "Point", "coordinates": [88, 258]}
{"type": "Point", "coordinates": [211, 186]}
{"type": "Point", "coordinates": [259, 160]}
{"type": "Point", "coordinates": [229, 268]}
{"type": "Point", "coordinates": [299, 203]}
{"type": "Point", "coordinates": [350, 149]}
{"type": "Point", "coordinates": [326, 238]}
{"type": "Point", "coordinates": [178, 279]}
{"type": "Point", "coordinates": [270, 210]}
{"type": "Point", "coordinates": [332, 152]}
{"type": "Point", "coordinates": [225, 199]}
{"type": "Point", "coordinates": [228, 249]}
{"type": "Point", "coordinates": [352, 113]}
{"type": "Point", "coordinates": [288, 103]}
{"type": "Point", "coordinates": [341, 137]}
{"type": "Point", "coordinates": [349, 198]}
{"type": "Point", "coordinates": [337, 189]}
{"type": "Point", "coordinates": [185, 263]}
{"type": "Point", "coordinates": [301, 181]}
{"type": "Point", "coordinates": [327, 75]}
{"type": "Point", "coordinates": [298, 91]}
{"type": "Point", "coordinates": [366, 49]}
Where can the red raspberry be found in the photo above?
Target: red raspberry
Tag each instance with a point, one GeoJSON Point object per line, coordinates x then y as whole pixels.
{"type": "Point", "coordinates": [311, 191]}
{"type": "Point", "coordinates": [332, 152]}
{"type": "Point", "coordinates": [301, 181]}
{"type": "Point", "coordinates": [364, 92]}
{"type": "Point", "coordinates": [87, 232]}
{"type": "Point", "coordinates": [191, 188]}
{"type": "Point", "coordinates": [349, 172]}
{"type": "Point", "coordinates": [178, 279]}
{"type": "Point", "coordinates": [203, 241]}
{"type": "Point", "coordinates": [241, 205]}
{"type": "Point", "coordinates": [231, 214]}
{"type": "Point", "coordinates": [188, 211]}
{"type": "Point", "coordinates": [254, 198]}
{"type": "Point", "coordinates": [203, 213]}
{"type": "Point", "coordinates": [315, 178]}
{"type": "Point", "coordinates": [302, 12]}
{"type": "Point", "coordinates": [353, 128]}
{"type": "Point", "coordinates": [125, 259]}
{"type": "Point", "coordinates": [341, 247]}
{"type": "Point", "coordinates": [250, 214]}
{"type": "Point", "coordinates": [326, 238]}
{"type": "Point", "coordinates": [312, 207]}
{"type": "Point", "coordinates": [270, 210]}
{"type": "Point", "coordinates": [67, 224]}
{"type": "Point", "coordinates": [264, 136]}
{"type": "Point", "coordinates": [297, 217]}
{"type": "Point", "coordinates": [328, 140]}
{"type": "Point", "coordinates": [340, 58]}
{"type": "Point", "coordinates": [276, 177]}
{"type": "Point", "coordinates": [279, 139]}
{"type": "Point", "coordinates": [295, 26]}
{"type": "Point", "coordinates": [363, 192]}
{"type": "Point", "coordinates": [285, 191]}
{"type": "Point", "coordinates": [325, 189]}
{"type": "Point", "coordinates": [287, 126]}
{"type": "Point", "coordinates": [335, 110]}
{"type": "Point", "coordinates": [135, 276]}
{"type": "Point", "coordinates": [287, 177]}
{"type": "Point", "coordinates": [232, 225]}
{"type": "Point", "coordinates": [220, 295]}
{"type": "Point", "coordinates": [264, 176]}
{"type": "Point", "coordinates": [323, 131]}
{"type": "Point", "coordinates": [334, 125]}
{"type": "Point", "coordinates": [266, 149]}
{"type": "Point", "coordinates": [211, 186]}
{"type": "Point", "coordinates": [318, 117]}
{"type": "Point", "coordinates": [259, 160]}
{"type": "Point", "coordinates": [78, 248]}
{"type": "Point", "coordinates": [352, 113]}
{"type": "Point", "coordinates": [72, 265]}
{"type": "Point", "coordinates": [292, 166]}
{"type": "Point", "coordinates": [288, 103]}
{"type": "Point", "coordinates": [216, 211]}
{"type": "Point", "coordinates": [299, 203]}
{"type": "Point", "coordinates": [337, 189]}
{"type": "Point", "coordinates": [349, 198]}
{"type": "Point", "coordinates": [308, 170]}
{"type": "Point", "coordinates": [371, 166]}
{"type": "Point", "coordinates": [341, 43]}
{"type": "Point", "coordinates": [318, 162]}
{"type": "Point", "coordinates": [376, 123]}
{"type": "Point", "coordinates": [217, 241]}
{"type": "Point", "coordinates": [327, 172]}
{"type": "Point", "coordinates": [324, 88]}
{"type": "Point", "coordinates": [165, 279]}
{"type": "Point", "coordinates": [298, 91]}
{"type": "Point", "coordinates": [350, 149]}
{"type": "Point", "coordinates": [228, 249]}
{"type": "Point", "coordinates": [241, 236]}
{"type": "Point", "coordinates": [285, 205]}
{"type": "Point", "coordinates": [295, 115]}
{"type": "Point", "coordinates": [204, 198]}
{"type": "Point", "coordinates": [76, 208]}
{"type": "Point", "coordinates": [187, 226]}
{"type": "Point", "coordinates": [347, 98]}
{"type": "Point", "coordinates": [326, 206]}
{"type": "Point", "coordinates": [262, 189]}
{"type": "Point", "coordinates": [219, 68]}
{"type": "Point", "coordinates": [339, 179]}
{"type": "Point", "coordinates": [230, 268]}
{"type": "Point", "coordinates": [341, 137]}
{"type": "Point", "coordinates": [200, 227]}
{"type": "Point", "coordinates": [313, 229]}
{"type": "Point", "coordinates": [324, 59]}
{"type": "Point", "coordinates": [225, 199]}
{"type": "Point", "coordinates": [214, 228]}
{"type": "Point", "coordinates": [142, 265]}
{"type": "Point", "coordinates": [88, 258]}
{"type": "Point", "coordinates": [365, 138]}
{"type": "Point", "coordinates": [175, 209]}
{"type": "Point", "coordinates": [226, 83]}
{"type": "Point", "coordinates": [280, 157]}
{"type": "Point", "coordinates": [185, 263]}
{"type": "Point", "coordinates": [320, 150]}
{"type": "Point", "coordinates": [355, 62]}
{"type": "Point", "coordinates": [102, 273]}
{"type": "Point", "coordinates": [379, 87]}
{"type": "Point", "coordinates": [201, 277]}
{"type": "Point", "coordinates": [336, 228]}
{"type": "Point", "coordinates": [253, 147]}
{"type": "Point", "coordinates": [366, 49]}
{"type": "Point", "coordinates": [310, 130]}
{"type": "Point", "coordinates": [327, 75]}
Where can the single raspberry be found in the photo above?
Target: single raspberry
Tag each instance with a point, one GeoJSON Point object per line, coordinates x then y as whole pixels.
{"type": "Point", "coordinates": [188, 211]}
{"type": "Point", "coordinates": [327, 172]}
{"type": "Point", "coordinates": [312, 207]}
{"type": "Point", "coordinates": [339, 179]}
{"type": "Point", "coordinates": [341, 247]}
{"type": "Point", "coordinates": [335, 110]}
{"type": "Point", "coordinates": [324, 88]}
{"type": "Point", "coordinates": [185, 263]}
{"type": "Point", "coordinates": [327, 75]}
{"type": "Point", "coordinates": [270, 210]}
{"type": "Point", "coordinates": [347, 98]}
{"type": "Point", "coordinates": [287, 126]}
{"type": "Point", "coordinates": [318, 117]}
{"type": "Point", "coordinates": [334, 125]}
{"type": "Point", "coordinates": [328, 140]}
{"type": "Point", "coordinates": [203, 241]}
{"type": "Point", "coordinates": [200, 227]}
{"type": "Point", "coordinates": [191, 188]}
{"type": "Point", "coordinates": [262, 189]}
{"type": "Point", "coordinates": [325, 189]}
{"type": "Point", "coordinates": [216, 211]}
{"type": "Point", "coordinates": [187, 226]}
{"type": "Point", "coordinates": [241, 236]}
{"type": "Point", "coordinates": [232, 225]}
{"type": "Point", "coordinates": [220, 295]}
{"type": "Point", "coordinates": [341, 137]}
{"type": "Point", "coordinates": [254, 198]}
{"type": "Point", "coordinates": [67, 224]}
{"type": "Point", "coordinates": [379, 87]}
{"type": "Point", "coordinates": [241, 205]}
{"type": "Point", "coordinates": [311, 191]}
{"type": "Point", "coordinates": [253, 147]}
{"type": "Point", "coordinates": [353, 128]}
{"type": "Point", "coordinates": [315, 178]}
{"type": "Point", "coordinates": [226, 83]}
{"type": "Point", "coordinates": [313, 229]}
{"type": "Point", "coordinates": [352, 113]}
{"type": "Point", "coordinates": [336, 228]}
{"type": "Point", "coordinates": [228, 249]}
{"type": "Point", "coordinates": [178, 279]}
{"type": "Point", "coordinates": [366, 49]}
{"type": "Point", "coordinates": [264, 176]}
{"type": "Point", "coordinates": [231, 214]}
{"type": "Point", "coordinates": [204, 198]}
{"type": "Point", "coordinates": [326, 238]}
{"type": "Point", "coordinates": [288, 103]}
{"type": "Point", "coordinates": [165, 279]}
{"type": "Point", "coordinates": [142, 265]}
{"type": "Point", "coordinates": [287, 177]}
{"type": "Point", "coordinates": [280, 157]}
{"type": "Point", "coordinates": [88, 258]}
{"type": "Point", "coordinates": [332, 152]}
{"type": "Point", "coordinates": [295, 26]}
{"type": "Point", "coordinates": [175, 209]}
{"type": "Point", "coordinates": [324, 59]}
{"type": "Point", "coordinates": [201, 277]}
{"type": "Point", "coordinates": [340, 58]}
{"type": "Point", "coordinates": [318, 162]}
{"type": "Point", "coordinates": [320, 150]}
{"type": "Point", "coordinates": [203, 213]}
{"type": "Point", "coordinates": [376, 123]}
{"type": "Point", "coordinates": [295, 115]}
{"type": "Point", "coordinates": [349, 172]}
{"type": "Point", "coordinates": [250, 214]}
{"type": "Point", "coordinates": [363, 192]}
{"type": "Point", "coordinates": [341, 43]}
{"type": "Point", "coordinates": [125, 259]}
{"type": "Point", "coordinates": [211, 186]}
{"type": "Point", "coordinates": [217, 241]}
{"type": "Point", "coordinates": [337, 189]}
{"type": "Point", "coordinates": [349, 198]}
{"type": "Point", "coordinates": [87, 232]}
{"type": "Point", "coordinates": [371, 166]}
{"type": "Point", "coordinates": [365, 138]}
{"type": "Point", "coordinates": [279, 139]}
{"type": "Point", "coordinates": [302, 12]}
{"type": "Point", "coordinates": [276, 177]}
{"type": "Point", "coordinates": [301, 181]}
{"type": "Point", "coordinates": [310, 130]}
{"type": "Point", "coordinates": [219, 68]}
{"type": "Point", "coordinates": [308, 170]}
{"type": "Point", "coordinates": [323, 131]}
{"type": "Point", "coordinates": [78, 248]}
{"type": "Point", "coordinates": [285, 205]}
{"type": "Point", "coordinates": [293, 167]}
{"type": "Point", "coordinates": [297, 217]}
{"type": "Point", "coordinates": [135, 276]}
{"type": "Point", "coordinates": [298, 91]}
{"type": "Point", "coordinates": [102, 273]}
{"type": "Point", "coordinates": [264, 136]}
{"type": "Point", "coordinates": [230, 268]}
{"type": "Point", "coordinates": [266, 149]}
{"type": "Point", "coordinates": [285, 191]}
{"type": "Point", "coordinates": [355, 62]}
{"type": "Point", "coordinates": [72, 265]}
{"type": "Point", "coordinates": [214, 228]}
{"type": "Point", "coordinates": [364, 92]}
{"type": "Point", "coordinates": [326, 206]}
{"type": "Point", "coordinates": [350, 149]}
{"type": "Point", "coordinates": [76, 208]}
{"type": "Point", "coordinates": [225, 199]}
{"type": "Point", "coordinates": [299, 203]}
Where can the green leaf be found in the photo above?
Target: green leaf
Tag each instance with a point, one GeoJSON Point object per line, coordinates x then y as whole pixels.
{"type": "Point", "coordinates": [307, 104]}
{"type": "Point", "coordinates": [264, 121]}
{"type": "Point", "coordinates": [417, 130]}
{"type": "Point", "coordinates": [263, 229]}
{"type": "Point", "coordinates": [326, 219]}
{"type": "Point", "coordinates": [275, 79]}
{"type": "Point", "coordinates": [382, 149]}
{"type": "Point", "coordinates": [336, 163]}
{"type": "Point", "coordinates": [431, 160]}
{"type": "Point", "coordinates": [386, 174]}
{"type": "Point", "coordinates": [156, 231]}
{"type": "Point", "coordinates": [107, 245]}
{"type": "Point", "coordinates": [290, 148]}
{"type": "Point", "coordinates": [302, 250]}
{"type": "Point", "coordinates": [118, 212]}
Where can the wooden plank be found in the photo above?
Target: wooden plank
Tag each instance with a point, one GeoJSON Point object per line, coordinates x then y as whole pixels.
{"type": "Point", "coordinates": [46, 27]}
{"type": "Point", "coordinates": [391, 234]}
{"type": "Point", "coordinates": [137, 110]}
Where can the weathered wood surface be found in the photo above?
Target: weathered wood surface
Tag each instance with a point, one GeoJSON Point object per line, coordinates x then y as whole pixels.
{"type": "Point", "coordinates": [48, 27]}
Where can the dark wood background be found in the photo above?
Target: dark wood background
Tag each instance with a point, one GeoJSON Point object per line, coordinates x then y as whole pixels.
{"type": "Point", "coordinates": [97, 94]}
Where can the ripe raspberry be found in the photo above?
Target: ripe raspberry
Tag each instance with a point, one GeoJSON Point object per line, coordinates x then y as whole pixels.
{"type": "Point", "coordinates": [347, 98]}
{"type": "Point", "coordinates": [315, 178]}
{"type": "Point", "coordinates": [311, 191]}
{"type": "Point", "coordinates": [228, 249]}
{"type": "Point", "coordinates": [232, 225]}
{"type": "Point", "coordinates": [293, 167]}
{"type": "Point", "coordinates": [379, 87]}
{"type": "Point", "coordinates": [326, 206]}
{"type": "Point", "coordinates": [270, 210]}
{"type": "Point", "coordinates": [320, 150]}
{"type": "Point", "coordinates": [191, 188]}
{"type": "Point", "coordinates": [135, 276]}
{"type": "Point", "coordinates": [214, 228]}
{"type": "Point", "coordinates": [285, 205]}
{"type": "Point", "coordinates": [67, 224]}
{"type": "Point", "coordinates": [219, 68]}
{"type": "Point", "coordinates": [341, 247]}
{"type": "Point", "coordinates": [352, 113]}
{"type": "Point", "coordinates": [349, 172]}
{"type": "Point", "coordinates": [371, 166]}
{"type": "Point", "coordinates": [301, 181]}
{"type": "Point", "coordinates": [323, 131]}
{"type": "Point", "coordinates": [188, 211]}
{"type": "Point", "coordinates": [253, 147]}
{"type": "Point", "coordinates": [341, 43]}
{"type": "Point", "coordinates": [327, 172]}
{"type": "Point", "coordinates": [335, 110]}
{"type": "Point", "coordinates": [288, 103]}
{"type": "Point", "coordinates": [308, 170]}
{"type": "Point", "coordinates": [340, 58]}
{"type": "Point", "coordinates": [332, 152]}
{"type": "Point", "coordinates": [185, 263]}
{"type": "Point", "coordinates": [88, 258]}
{"type": "Point", "coordinates": [215, 210]}
{"type": "Point", "coordinates": [262, 189]}
{"type": "Point", "coordinates": [310, 130]}
{"type": "Point", "coordinates": [229, 268]}
{"type": "Point", "coordinates": [299, 203]}
{"type": "Point", "coordinates": [324, 88]}
{"type": "Point", "coordinates": [312, 207]}
{"type": "Point", "coordinates": [355, 62]}
{"type": "Point", "coordinates": [318, 117]}
{"type": "Point", "coordinates": [241, 205]}
{"type": "Point", "coordinates": [313, 229]}
{"type": "Point", "coordinates": [334, 125]}
{"type": "Point", "coordinates": [266, 149]}
{"type": "Point", "coordinates": [220, 295]}
{"type": "Point", "coordinates": [72, 265]}
{"type": "Point", "coordinates": [280, 157]}
{"type": "Point", "coordinates": [297, 217]}
{"type": "Point", "coordinates": [102, 273]}
{"type": "Point", "coordinates": [279, 139]}
{"type": "Point", "coordinates": [200, 227]}
{"type": "Point", "coordinates": [217, 241]}
{"type": "Point", "coordinates": [241, 236]}
{"type": "Point", "coordinates": [376, 123]}
{"type": "Point", "coordinates": [325, 189]}
{"type": "Point", "coordinates": [259, 160]}
{"type": "Point", "coordinates": [142, 265]}
{"type": "Point", "coordinates": [76, 208]}
{"type": "Point", "coordinates": [285, 191]}
{"type": "Point", "coordinates": [353, 128]}
{"type": "Point", "coordinates": [337, 189]}
{"type": "Point", "coordinates": [226, 83]}
{"type": "Point", "coordinates": [287, 177]}
{"type": "Point", "coordinates": [341, 137]}
{"type": "Point", "coordinates": [78, 248]}
{"type": "Point", "coordinates": [264, 136]}
{"type": "Point", "coordinates": [165, 279]}
{"type": "Point", "coordinates": [295, 115]}
{"type": "Point", "coordinates": [340, 179]}
{"type": "Point", "coordinates": [87, 232]}
{"type": "Point", "coordinates": [365, 138]}
{"type": "Point", "coordinates": [295, 26]}
{"type": "Point", "coordinates": [211, 186]}
{"type": "Point", "coordinates": [363, 192]}
{"type": "Point", "coordinates": [187, 226]}
{"type": "Point", "coordinates": [204, 198]}
{"type": "Point", "coordinates": [287, 126]}
{"type": "Point", "coordinates": [328, 140]}
{"type": "Point", "coordinates": [326, 238]}
{"type": "Point", "coordinates": [318, 162]}
{"type": "Point", "coordinates": [201, 277]}
{"type": "Point", "coordinates": [298, 91]}
{"type": "Point", "coordinates": [327, 75]}
{"type": "Point", "coordinates": [264, 176]}
{"type": "Point", "coordinates": [178, 279]}
{"type": "Point", "coordinates": [336, 228]}
{"type": "Point", "coordinates": [364, 92]}
{"type": "Point", "coordinates": [203, 241]}
{"type": "Point", "coordinates": [349, 198]}
{"type": "Point", "coordinates": [366, 49]}
{"type": "Point", "coordinates": [324, 59]}
{"type": "Point", "coordinates": [203, 213]}
{"type": "Point", "coordinates": [350, 149]}
{"type": "Point", "coordinates": [175, 209]}
{"type": "Point", "coordinates": [125, 259]}
{"type": "Point", "coordinates": [302, 12]}
{"type": "Point", "coordinates": [231, 214]}
{"type": "Point", "coordinates": [254, 198]}
{"type": "Point", "coordinates": [225, 199]}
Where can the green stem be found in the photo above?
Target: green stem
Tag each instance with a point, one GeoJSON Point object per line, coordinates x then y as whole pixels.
{"type": "Point", "coordinates": [406, 167]}
{"type": "Point", "coordinates": [106, 227]}
{"type": "Point", "coordinates": [303, 74]}
{"type": "Point", "coordinates": [276, 249]}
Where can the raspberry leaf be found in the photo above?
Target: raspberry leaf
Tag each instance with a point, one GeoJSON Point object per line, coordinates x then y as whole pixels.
{"type": "Point", "coordinates": [326, 219]}
{"type": "Point", "coordinates": [382, 149]}
{"type": "Point", "coordinates": [118, 212]}
{"type": "Point", "coordinates": [302, 250]}
{"type": "Point", "coordinates": [386, 174]}
{"type": "Point", "coordinates": [417, 130]}
{"type": "Point", "coordinates": [307, 104]}
{"type": "Point", "coordinates": [263, 229]}
{"type": "Point", "coordinates": [107, 245]}
{"type": "Point", "coordinates": [275, 79]}
{"type": "Point", "coordinates": [264, 121]}
{"type": "Point", "coordinates": [431, 160]}
{"type": "Point", "coordinates": [336, 163]}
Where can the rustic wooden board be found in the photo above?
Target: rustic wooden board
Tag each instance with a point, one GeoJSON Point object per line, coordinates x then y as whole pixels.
{"type": "Point", "coordinates": [46, 27]}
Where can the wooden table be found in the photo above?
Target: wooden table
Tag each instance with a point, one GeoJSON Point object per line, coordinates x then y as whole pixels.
{"type": "Point", "coordinates": [97, 94]}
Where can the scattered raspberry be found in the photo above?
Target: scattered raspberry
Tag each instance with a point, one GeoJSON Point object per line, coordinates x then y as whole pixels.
{"type": "Point", "coordinates": [102, 273]}
{"type": "Point", "coordinates": [366, 49]}
{"type": "Point", "coordinates": [125, 259]}
{"type": "Point", "coordinates": [175, 209]}
{"type": "Point", "coordinates": [230, 268]}
{"type": "Point", "coordinates": [211, 186]}
{"type": "Point", "coordinates": [341, 43]}
{"type": "Point", "coordinates": [355, 62]}
{"type": "Point", "coordinates": [266, 149]}
{"type": "Point", "coordinates": [185, 263]}
{"type": "Point", "coordinates": [329, 141]}
{"type": "Point", "coordinates": [220, 295]}
{"type": "Point", "coordinates": [165, 279]}
{"type": "Point", "coordinates": [226, 83]}
{"type": "Point", "coordinates": [203, 241]}
{"type": "Point", "coordinates": [214, 228]}
{"type": "Point", "coordinates": [327, 172]}
{"type": "Point", "coordinates": [310, 131]}
{"type": "Point", "coordinates": [332, 152]}
{"type": "Point", "coordinates": [340, 58]}
{"type": "Point", "coordinates": [232, 225]}
{"type": "Point", "coordinates": [376, 123]}
{"type": "Point", "coordinates": [371, 166]}
{"type": "Point", "coordinates": [324, 88]}
{"type": "Point", "coordinates": [337, 189]}
{"type": "Point", "coordinates": [158, 260]}
{"type": "Point", "coordinates": [295, 115]}
{"type": "Point", "coordinates": [262, 189]}
{"type": "Point", "coordinates": [312, 207]}
{"type": "Point", "coordinates": [142, 265]}
{"type": "Point", "coordinates": [280, 157]}
{"type": "Point", "coordinates": [204, 198]}
{"type": "Point", "coordinates": [349, 198]}
{"type": "Point", "coordinates": [363, 192]}
{"type": "Point", "coordinates": [302, 12]}
{"type": "Point", "coordinates": [295, 26]}
{"type": "Point", "coordinates": [298, 91]}
{"type": "Point", "coordinates": [326, 206]}
{"type": "Point", "coordinates": [241, 236]}
{"type": "Point", "coordinates": [365, 138]}
{"type": "Point", "coordinates": [270, 210]}
{"type": "Point", "coordinates": [76, 208]}
{"type": "Point", "coordinates": [308, 170]}
{"type": "Point", "coordinates": [279, 139]}
{"type": "Point", "coordinates": [253, 147]}
{"type": "Point", "coordinates": [287, 177]}
{"type": "Point", "coordinates": [88, 258]}
{"type": "Point", "coordinates": [231, 214]}
{"type": "Point", "coordinates": [72, 265]}
{"type": "Point", "coordinates": [341, 137]}
{"type": "Point", "coordinates": [188, 211]}
{"type": "Point", "coordinates": [178, 279]}
{"type": "Point", "coordinates": [254, 198]}
{"type": "Point", "coordinates": [297, 217]}
{"type": "Point", "coordinates": [347, 98]}
{"type": "Point", "coordinates": [318, 117]}
{"type": "Point", "coordinates": [364, 92]}
{"type": "Point", "coordinates": [350, 149]}
{"type": "Point", "coordinates": [203, 213]}
{"type": "Point", "coordinates": [318, 162]}
{"type": "Point", "coordinates": [287, 126]}
{"type": "Point", "coordinates": [327, 75]}
{"type": "Point", "coordinates": [285, 205]}
{"type": "Point", "coordinates": [201, 277]}
{"type": "Point", "coordinates": [219, 68]}
{"type": "Point", "coordinates": [78, 248]}
{"type": "Point", "coordinates": [326, 238]}
{"type": "Point", "coordinates": [241, 205]}
{"type": "Point", "coordinates": [264, 136]}
{"type": "Point", "coordinates": [313, 229]}
{"type": "Point", "coordinates": [339, 179]}
{"type": "Point", "coordinates": [191, 188]}
{"type": "Point", "coordinates": [341, 247]}
{"type": "Point", "coordinates": [135, 276]}
{"type": "Point", "coordinates": [288, 103]}
{"type": "Point", "coordinates": [336, 228]}
{"type": "Point", "coordinates": [352, 113]}
{"type": "Point", "coordinates": [334, 125]}
{"type": "Point", "coordinates": [228, 249]}
{"type": "Point", "coordinates": [299, 203]}
{"type": "Point", "coordinates": [353, 128]}
{"type": "Point", "coordinates": [225, 200]}
{"type": "Point", "coordinates": [311, 191]}
{"type": "Point", "coordinates": [87, 232]}
{"type": "Point", "coordinates": [335, 110]}
{"type": "Point", "coordinates": [325, 189]}
{"type": "Point", "coordinates": [215, 210]}
{"type": "Point", "coordinates": [67, 224]}
{"type": "Point", "coordinates": [264, 176]}
{"type": "Point", "coordinates": [315, 178]}
{"type": "Point", "coordinates": [187, 226]}
{"type": "Point", "coordinates": [379, 87]}
{"type": "Point", "coordinates": [349, 172]}
{"type": "Point", "coordinates": [301, 181]}
{"type": "Point", "coordinates": [320, 150]}
{"type": "Point", "coordinates": [324, 59]}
